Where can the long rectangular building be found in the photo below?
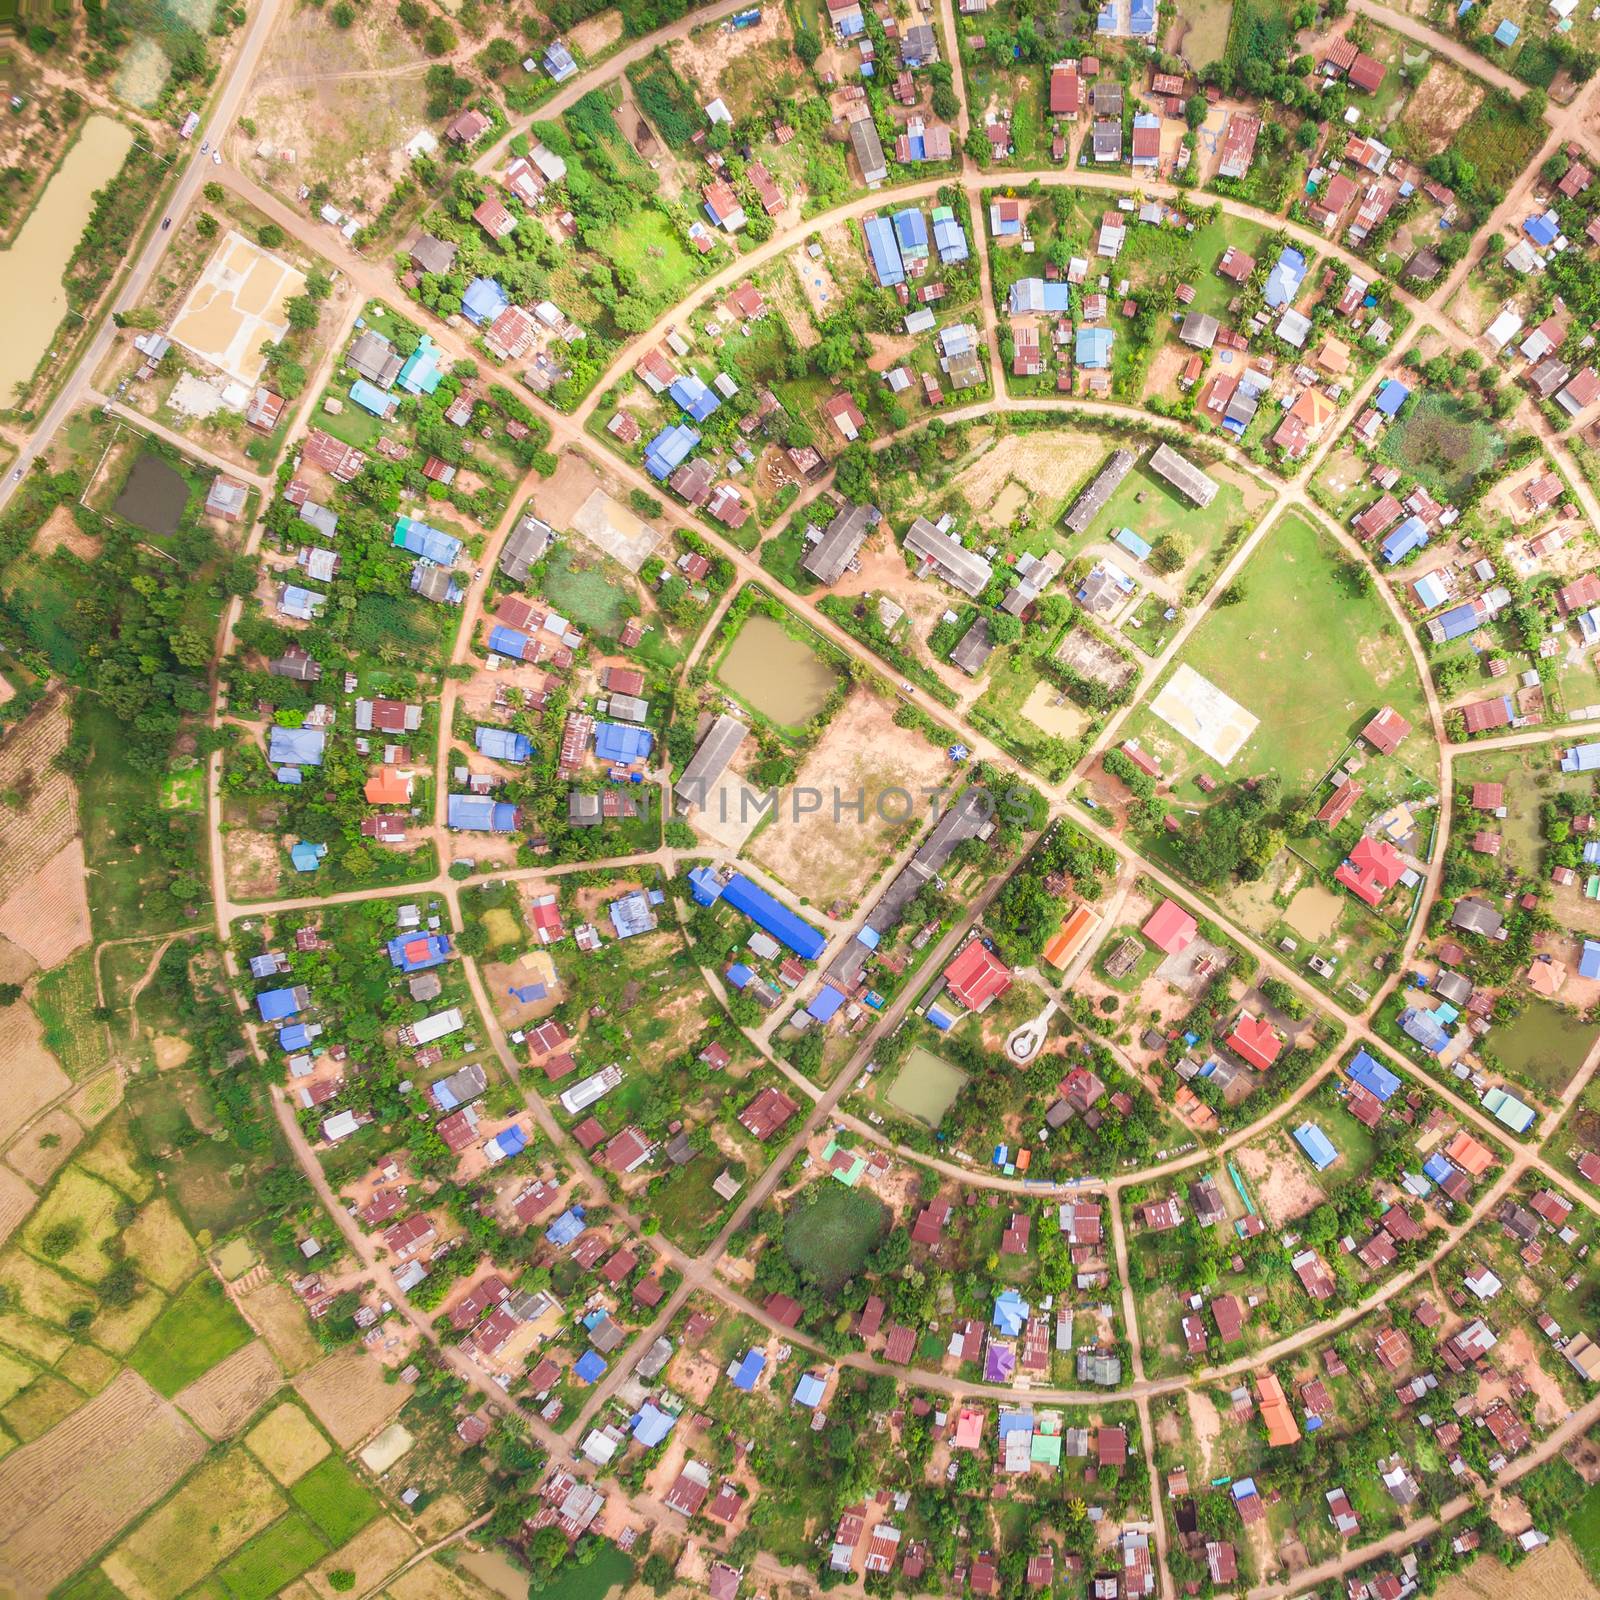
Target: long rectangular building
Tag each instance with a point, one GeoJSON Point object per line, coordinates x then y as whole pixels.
{"type": "Point", "coordinates": [1088, 504]}
{"type": "Point", "coordinates": [964, 569]}
{"type": "Point", "coordinates": [710, 761]}
{"type": "Point", "coordinates": [1183, 475]}
{"type": "Point", "coordinates": [828, 558]}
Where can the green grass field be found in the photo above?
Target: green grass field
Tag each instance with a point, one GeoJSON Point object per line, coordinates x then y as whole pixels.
{"type": "Point", "coordinates": [1584, 1526]}
{"type": "Point", "coordinates": [588, 596]}
{"type": "Point", "coordinates": [1545, 1044]}
{"type": "Point", "coordinates": [1302, 651]}
{"type": "Point", "coordinates": [272, 1560]}
{"type": "Point", "coordinates": [335, 1499]}
{"type": "Point", "coordinates": [830, 1231]}
{"type": "Point", "coordinates": [1442, 443]}
{"type": "Point", "coordinates": [190, 1337]}
{"type": "Point", "coordinates": [184, 791]}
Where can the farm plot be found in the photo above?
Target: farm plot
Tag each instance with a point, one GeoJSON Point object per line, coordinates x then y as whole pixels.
{"type": "Point", "coordinates": [190, 1337]}
{"type": "Point", "coordinates": [31, 833]}
{"type": "Point", "coordinates": [863, 758]}
{"type": "Point", "coordinates": [232, 1391]}
{"type": "Point", "coordinates": [64, 1496]}
{"type": "Point", "coordinates": [287, 1443]}
{"type": "Point", "coordinates": [374, 1553]}
{"type": "Point", "coordinates": [75, 1225]}
{"type": "Point", "coordinates": [335, 1499]}
{"type": "Point", "coordinates": [48, 913]}
{"type": "Point", "coordinates": [33, 1076]}
{"type": "Point", "coordinates": [349, 1396]}
{"type": "Point", "coordinates": [45, 1146]}
{"type": "Point", "coordinates": [161, 1245]}
{"type": "Point", "coordinates": [16, 1201]}
{"type": "Point", "coordinates": [230, 1497]}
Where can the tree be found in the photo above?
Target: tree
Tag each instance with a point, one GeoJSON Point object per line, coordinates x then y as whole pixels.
{"type": "Point", "coordinates": [10, 993]}
{"type": "Point", "coordinates": [343, 14]}
{"type": "Point", "coordinates": [439, 38]}
{"type": "Point", "coordinates": [213, 192]}
{"type": "Point", "coordinates": [341, 1580]}
{"type": "Point", "coordinates": [270, 235]}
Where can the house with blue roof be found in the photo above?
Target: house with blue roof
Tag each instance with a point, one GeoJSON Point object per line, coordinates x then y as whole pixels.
{"type": "Point", "coordinates": [590, 1367]}
{"type": "Point", "coordinates": [1589, 959]}
{"type": "Point", "coordinates": [565, 1228]}
{"type": "Point", "coordinates": [416, 952]}
{"type": "Point", "coordinates": [669, 450]}
{"type": "Point", "coordinates": [1431, 593]}
{"type": "Point", "coordinates": [1132, 543]}
{"type": "Point", "coordinates": [1425, 1029]}
{"type": "Point", "coordinates": [1506, 1108]}
{"type": "Point", "coordinates": [503, 744]}
{"type": "Point", "coordinates": [1373, 1076]}
{"type": "Point", "coordinates": [1438, 1167]}
{"type": "Point", "coordinates": [761, 908]}
{"type": "Point", "coordinates": [739, 975]}
{"type": "Point", "coordinates": [1412, 534]}
{"type": "Point", "coordinates": [949, 238]}
{"type": "Point", "coordinates": [558, 61]}
{"type": "Point", "coordinates": [372, 399]}
{"type": "Point", "coordinates": [276, 1004]}
{"type": "Point", "coordinates": [1318, 1147]}
{"type": "Point", "coordinates": [1458, 621]}
{"type": "Point", "coordinates": [504, 641]}
{"type": "Point", "coordinates": [825, 1004]}
{"type": "Point", "coordinates": [1391, 397]}
{"type": "Point", "coordinates": [651, 1425]}
{"type": "Point", "coordinates": [694, 396]}
{"type": "Point", "coordinates": [1092, 347]}
{"type": "Point", "coordinates": [1010, 1313]}
{"type": "Point", "coordinates": [1543, 229]}
{"type": "Point", "coordinates": [1581, 758]}
{"type": "Point", "coordinates": [305, 856]}
{"type": "Point", "coordinates": [297, 1036]}
{"type": "Point", "coordinates": [884, 251]}
{"type": "Point", "coordinates": [911, 234]}
{"type": "Point", "coordinates": [1507, 32]}
{"type": "Point", "coordinates": [809, 1391]}
{"type": "Point", "coordinates": [295, 747]}
{"type": "Point", "coordinates": [483, 301]}
{"type": "Point", "coordinates": [1038, 295]}
{"type": "Point", "coordinates": [432, 544]}
{"type": "Point", "coordinates": [1142, 18]}
{"type": "Point", "coordinates": [750, 1368]}
{"type": "Point", "coordinates": [480, 813]}
{"type": "Point", "coordinates": [621, 742]}
{"type": "Point", "coordinates": [421, 373]}
{"type": "Point", "coordinates": [1283, 282]}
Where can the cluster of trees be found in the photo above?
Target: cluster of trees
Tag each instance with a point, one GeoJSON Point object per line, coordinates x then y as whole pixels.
{"type": "Point", "coordinates": [1028, 910]}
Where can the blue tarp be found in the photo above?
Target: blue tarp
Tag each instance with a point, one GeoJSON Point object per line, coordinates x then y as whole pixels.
{"type": "Point", "coordinates": [508, 1142]}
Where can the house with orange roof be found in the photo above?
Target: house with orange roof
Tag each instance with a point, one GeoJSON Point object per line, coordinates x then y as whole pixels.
{"type": "Point", "coordinates": [386, 787]}
{"type": "Point", "coordinates": [1275, 1411]}
{"type": "Point", "coordinates": [1473, 1157]}
{"type": "Point", "coordinates": [1546, 975]}
{"type": "Point", "coordinates": [1075, 931]}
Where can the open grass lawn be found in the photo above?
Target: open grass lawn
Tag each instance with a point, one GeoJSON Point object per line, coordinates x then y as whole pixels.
{"type": "Point", "coordinates": [649, 245]}
{"type": "Point", "coordinates": [335, 1499]}
{"type": "Point", "coordinates": [1440, 442]}
{"type": "Point", "coordinates": [577, 585]}
{"type": "Point", "coordinates": [190, 1337]}
{"type": "Point", "coordinates": [1546, 1044]}
{"type": "Point", "coordinates": [683, 1200]}
{"type": "Point", "coordinates": [63, 1000]}
{"type": "Point", "coordinates": [1305, 654]}
{"type": "Point", "coordinates": [273, 1560]}
{"type": "Point", "coordinates": [830, 1231]}
{"type": "Point", "coordinates": [1584, 1526]}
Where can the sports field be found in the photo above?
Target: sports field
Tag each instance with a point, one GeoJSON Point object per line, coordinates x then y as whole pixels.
{"type": "Point", "coordinates": [1303, 652]}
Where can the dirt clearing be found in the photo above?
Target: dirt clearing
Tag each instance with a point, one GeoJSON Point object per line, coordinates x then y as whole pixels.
{"type": "Point", "coordinates": [47, 817]}
{"type": "Point", "coordinates": [232, 1391]}
{"type": "Point", "coordinates": [1281, 1182]}
{"type": "Point", "coordinates": [1441, 104]}
{"type": "Point", "coordinates": [862, 759]}
{"type": "Point", "coordinates": [1045, 466]}
{"type": "Point", "coordinates": [65, 1495]}
{"type": "Point", "coordinates": [45, 1145]}
{"type": "Point", "coordinates": [349, 1396]}
{"type": "Point", "coordinates": [1553, 1573]}
{"type": "Point", "coordinates": [253, 867]}
{"type": "Point", "coordinates": [61, 528]}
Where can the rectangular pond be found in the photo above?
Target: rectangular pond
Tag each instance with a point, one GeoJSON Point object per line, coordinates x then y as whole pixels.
{"type": "Point", "coordinates": [926, 1087]}
{"type": "Point", "coordinates": [1545, 1043]}
{"type": "Point", "coordinates": [153, 495]}
{"type": "Point", "coordinates": [778, 675]}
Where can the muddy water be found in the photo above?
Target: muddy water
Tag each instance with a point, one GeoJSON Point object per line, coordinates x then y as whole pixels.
{"type": "Point", "coordinates": [781, 677]}
{"type": "Point", "coordinates": [32, 299]}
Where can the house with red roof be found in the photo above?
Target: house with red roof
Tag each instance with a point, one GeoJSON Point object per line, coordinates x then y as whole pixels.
{"type": "Point", "coordinates": [977, 976]}
{"type": "Point", "coordinates": [1371, 870]}
{"type": "Point", "coordinates": [1170, 928]}
{"type": "Point", "coordinates": [1386, 730]}
{"type": "Point", "coordinates": [1255, 1041]}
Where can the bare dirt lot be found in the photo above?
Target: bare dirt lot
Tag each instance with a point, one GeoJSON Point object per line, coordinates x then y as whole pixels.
{"type": "Point", "coordinates": [1048, 466]}
{"type": "Point", "coordinates": [862, 757]}
{"type": "Point", "coordinates": [33, 831]}
{"type": "Point", "coordinates": [1441, 103]}
{"type": "Point", "coordinates": [64, 1496]}
{"type": "Point", "coordinates": [232, 1391]}
{"type": "Point", "coordinates": [349, 1396]}
{"type": "Point", "coordinates": [252, 858]}
{"type": "Point", "coordinates": [1281, 1182]}
{"type": "Point", "coordinates": [45, 1146]}
{"type": "Point", "coordinates": [61, 528]}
